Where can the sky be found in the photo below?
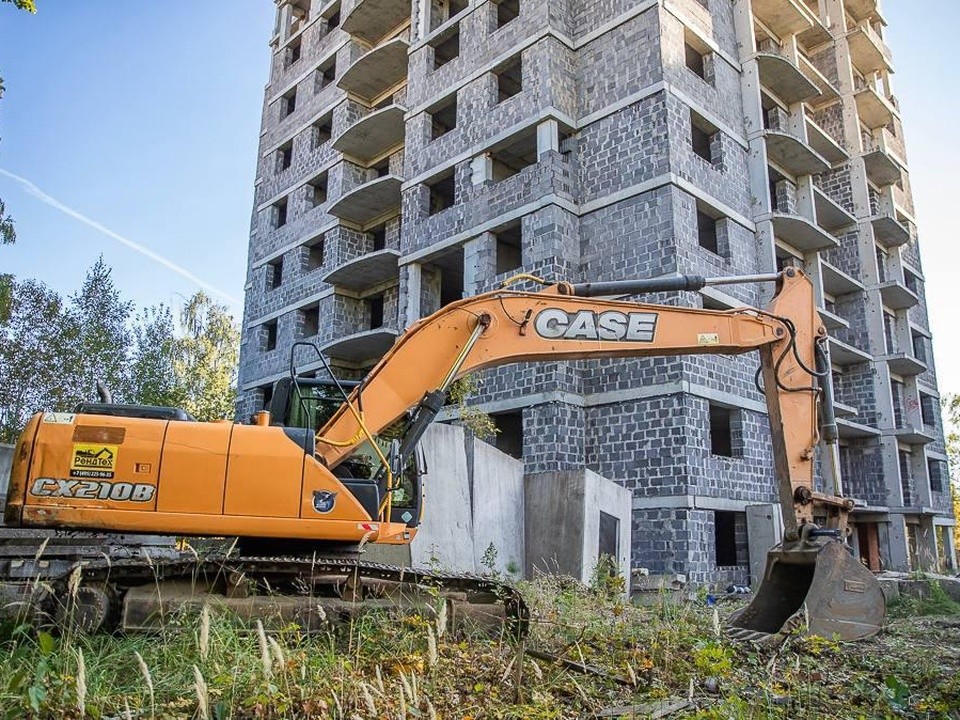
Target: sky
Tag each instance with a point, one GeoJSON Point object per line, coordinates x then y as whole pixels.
{"type": "Point", "coordinates": [139, 122]}
{"type": "Point", "coordinates": [135, 125]}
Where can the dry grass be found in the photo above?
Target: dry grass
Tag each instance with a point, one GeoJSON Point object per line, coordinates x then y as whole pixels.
{"type": "Point", "coordinates": [381, 668]}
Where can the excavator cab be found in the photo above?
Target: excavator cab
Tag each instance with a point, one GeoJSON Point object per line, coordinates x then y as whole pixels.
{"type": "Point", "coordinates": [309, 403]}
{"type": "Point", "coordinates": [306, 402]}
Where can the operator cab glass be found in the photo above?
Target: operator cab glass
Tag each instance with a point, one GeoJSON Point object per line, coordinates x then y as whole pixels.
{"type": "Point", "coordinates": [309, 403]}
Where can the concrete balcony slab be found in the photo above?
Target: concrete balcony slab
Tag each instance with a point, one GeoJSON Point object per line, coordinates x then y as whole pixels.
{"type": "Point", "coordinates": [836, 281]}
{"type": "Point", "coordinates": [372, 20]}
{"type": "Point", "coordinates": [375, 72]}
{"type": "Point", "coordinates": [784, 17]}
{"type": "Point", "coordinates": [784, 78]}
{"type": "Point", "coordinates": [882, 169]}
{"type": "Point", "coordinates": [369, 201]}
{"type": "Point", "coordinates": [845, 355]}
{"type": "Point", "coordinates": [793, 154]}
{"type": "Point", "coordinates": [374, 135]}
{"type": "Point", "coordinates": [845, 411]}
{"type": "Point", "coordinates": [828, 91]}
{"type": "Point", "coordinates": [830, 215]}
{"type": "Point", "coordinates": [868, 52]}
{"type": "Point", "coordinates": [889, 232]}
{"type": "Point", "coordinates": [824, 145]}
{"type": "Point", "coordinates": [361, 346]}
{"type": "Point", "coordinates": [914, 435]}
{"type": "Point", "coordinates": [861, 9]}
{"type": "Point", "coordinates": [875, 111]}
{"type": "Point", "coordinates": [897, 296]}
{"type": "Point", "coordinates": [832, 320]}
{"type": "Point", "coordinates": [366, 271]}
{"type": "Point", "coordinates": [855, 431]}
{"type": "Point", "coordinates": [904, 364]}
{"type": "Point", "coordinates": [816, 35]}
{"type": "Point", "coordinates": [802, 234]}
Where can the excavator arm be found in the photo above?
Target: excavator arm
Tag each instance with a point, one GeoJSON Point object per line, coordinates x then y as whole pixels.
{"type": "Point", "coordinates": [568, 322]}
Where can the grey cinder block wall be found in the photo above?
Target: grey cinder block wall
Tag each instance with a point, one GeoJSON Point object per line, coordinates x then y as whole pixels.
{"type": "Point", "coordinates": [413, 152]}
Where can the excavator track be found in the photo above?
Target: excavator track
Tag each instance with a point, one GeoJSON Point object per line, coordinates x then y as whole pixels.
{"type": "Point", "coordinates": [93, 586]}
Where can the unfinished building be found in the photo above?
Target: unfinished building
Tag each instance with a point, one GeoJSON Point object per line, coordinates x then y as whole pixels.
{"type": "Point", "coordinates": [412, 153]}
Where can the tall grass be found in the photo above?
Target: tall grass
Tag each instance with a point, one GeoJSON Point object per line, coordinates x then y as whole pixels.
{"type": "Point", "coordinates": [207, 664]}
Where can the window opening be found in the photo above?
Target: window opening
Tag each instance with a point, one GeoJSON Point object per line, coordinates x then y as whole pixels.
{"type": "Point", "coordinates": [375, 305]}
{"type": "Point", "coordinates": [442, 192]}
{"type": "Point", "coordinates": [509, 437]}
{"type": "Point", "coordinates": [274, 273]}
{"type": "Point", "coordinates": [509, 248]}
{"type": "Point", "coordinates": [510, 79]}
{"type": "Point", "coordinates": [270, 335]}
{"type": "Point", "coordinates": [721, 430]}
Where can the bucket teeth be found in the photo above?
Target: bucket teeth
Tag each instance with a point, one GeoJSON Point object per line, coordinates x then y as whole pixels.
{"type": "Point", "coordinates": [749, 636]}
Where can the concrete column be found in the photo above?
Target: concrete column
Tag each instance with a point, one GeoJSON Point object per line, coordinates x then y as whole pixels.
{"type": "Point", "coordinates": [479, 262]}
{"type": "Point", "coordinates": [414, 288]}
{"type": "Point", "coordinates": [927, 544]}
{"type": "Point", "coordinates": [286, 15]}
{"type": "Point", "coordinates": [874, 307]}
{"type": "Point", "coordinates": [548, 137]}
{"type": "Point", "coordinates": [898, 557]}
{"type": "Point", "coordinates": [797, 122]}
{"type": "Point", "coordinates": [764, 530]}
{"type": "Point", "coordinates": [757, 159]}
{"type": "Point", "coordinates": [423, 19]}
{"type": "Point", "coordinates": [481, 169]}
{"type": "Point", "coordinates": [805, 199]}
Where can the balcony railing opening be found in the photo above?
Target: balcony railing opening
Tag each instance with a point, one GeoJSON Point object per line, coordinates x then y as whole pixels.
{"type": "Point", "coordinates": [514, 156]}
{"type": "Point", "coordinates": [443, 117]}
{"type": "Point", "coordinates": [446, 47]}
{"type": "Point", "coordinates": [509, 248]}
{"type": "Point", "coordinates": [442, 192]}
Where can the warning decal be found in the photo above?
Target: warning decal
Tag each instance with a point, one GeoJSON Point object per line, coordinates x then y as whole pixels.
{"type": "Point", "coordinates": [93, 460]}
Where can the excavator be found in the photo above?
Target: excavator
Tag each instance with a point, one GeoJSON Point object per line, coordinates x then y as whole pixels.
{"type": "Point", "coordinates": [333, 469]}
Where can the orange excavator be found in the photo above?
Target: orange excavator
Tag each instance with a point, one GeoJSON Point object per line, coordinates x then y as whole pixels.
{"type": "Point", "coordinates": [333, 468]}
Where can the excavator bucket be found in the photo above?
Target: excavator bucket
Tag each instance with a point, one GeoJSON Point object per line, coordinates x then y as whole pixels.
{"type": "Point", "coordinates": [821, 589]}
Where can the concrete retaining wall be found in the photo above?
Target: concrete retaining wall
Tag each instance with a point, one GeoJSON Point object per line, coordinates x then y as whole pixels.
{"type": "Point", "coordinates": [473, 500]}
{"type": "Point", "coordinates": [481, 512]}
{"type": "Point", "coordinates": [562, 516]}
{"type": "Point", "coordinates": [498, 510]}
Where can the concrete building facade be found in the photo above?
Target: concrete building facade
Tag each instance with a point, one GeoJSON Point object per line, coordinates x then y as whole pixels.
{"type": "Point", "coordinates": [416, 151]}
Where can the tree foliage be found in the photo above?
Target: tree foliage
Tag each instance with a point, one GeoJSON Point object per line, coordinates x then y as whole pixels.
{"type": "Point", "coordinates": [8, 230]}
{"type": "Point", "coordinates": [30, 357]}
{"type": "Point", "coordinates": [97, 335]}
{"type": "Point", "coordinates": [951, 408]}
{"type": "Point", "coordinates": [205, 359]}
{"type": "Point", "coordinates": [152, 380]}
{"type": "Point", "coordinates": [54, 352]}
{"type": "Point", "coordinates": [28, 5]}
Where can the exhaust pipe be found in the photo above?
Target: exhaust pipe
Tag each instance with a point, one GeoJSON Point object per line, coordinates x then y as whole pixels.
{"type": "Point", "coordinates": [106, 397]}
